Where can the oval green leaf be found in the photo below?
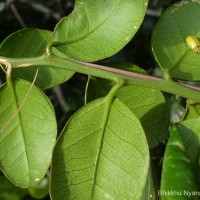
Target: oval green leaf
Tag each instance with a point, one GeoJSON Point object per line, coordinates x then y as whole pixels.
{"type": "Point", "coordinates": [169, 40]}
{"type": "Point", "coordinates": [150, 107]}
{"type": "Point", "coordinates": [8, 191]}
{"type": "Point", "coordinates": [98, 29]}
{"type": "Point", "coordinates": [192, 110]}
{"type": "Point", "coordinates": [40, 190]}
{"type": "Point", "coordinates": [178, 175]}
{"type": "Point", "coordinates": [147, 104]}
{"type": "Point", "coordinates": [26, 143]}
{"type": "Point", "coordinates": [189, 129]}
{"type": "Point", "coordinates": [29, 43]}
{"type": "Point", "coordinates": [102, 153]}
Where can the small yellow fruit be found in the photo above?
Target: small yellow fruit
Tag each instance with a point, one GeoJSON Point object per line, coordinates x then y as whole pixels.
{"type": "Point", "coordinates": [193, 42]}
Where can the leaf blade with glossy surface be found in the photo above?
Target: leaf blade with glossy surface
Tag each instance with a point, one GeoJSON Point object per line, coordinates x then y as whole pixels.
{"type": "Point", "coordinates": [178, 173]}
{"type": "Point", "coordinates": [26, 143]}
{"type": "Point", "coordinates": [147, 104]}
{"type": "Point", "coordinates": [102, 153]}
{"type": "Point", "coordinates": [169, 40]}
{"type": "Point", "coordinates": [98, 29]}
{"type": "Point", "coordinates": [28, 43]}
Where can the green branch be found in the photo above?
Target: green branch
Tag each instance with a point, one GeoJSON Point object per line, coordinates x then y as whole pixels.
{"type": "Point", "coordinates": [109, 73]}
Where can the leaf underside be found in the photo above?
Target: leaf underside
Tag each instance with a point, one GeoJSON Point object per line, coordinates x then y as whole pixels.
{"type": "Point", "coordinates": [26, 143]}
{"type": "Point", "coordinates": [102, 153]}
{"type": "Point", "coordinates": [178, 174]}
{"type": "Point", "coordinates": [147, 104]}
{"type": "Point", "coordinates": [28, 43]}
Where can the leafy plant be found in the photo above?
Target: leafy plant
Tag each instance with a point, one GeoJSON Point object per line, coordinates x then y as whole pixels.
{"type": "Point", "coordinates": [104, 149]}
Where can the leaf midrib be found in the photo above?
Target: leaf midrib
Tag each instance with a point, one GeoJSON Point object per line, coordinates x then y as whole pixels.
{"type": "Point", "coordinates": [18, 116]}
{"type": "Point", "coordinates": [90, 32]}
{"type": "Point", "coordinates": [107, 112]}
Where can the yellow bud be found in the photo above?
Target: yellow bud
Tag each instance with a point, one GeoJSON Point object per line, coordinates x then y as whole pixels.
{"type": "Point", "coordinates": [192, 42]}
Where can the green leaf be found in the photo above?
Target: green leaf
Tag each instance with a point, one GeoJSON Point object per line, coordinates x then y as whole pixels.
{"type": "Point", "coordinates": [149, 190]}
{"type": "Point", "coordinates": [9, 191]}
{"type": "Point", "coordinates": [169, 40]}
{"type": "Point", "coordinates": [127, 66]}
{"type": "Point", "coordinates": [150, 107]}
{"type": "Point", "coordinates": [147, 104]}
{"type": "Point", "coordinates": [98, 29]}
{"type": "Point", "coordinates": [40, 190]}
{"type": "Point", "coordinates": [178, 175]}
{"type": "Point", "coordinates": [102, 153]}
{"type": "Point", "coordinates": [189, 128]}
{"type": "Point", "coordinates": [192, 110]}
{"type": "Point", "coordinates": [98, 87]}
{"type": "Point", "coordinates": [29, 43]}
{"type": "Point", "coordinates": [26, 142]}
{"type": "Point", "coordinates": [190, 131]}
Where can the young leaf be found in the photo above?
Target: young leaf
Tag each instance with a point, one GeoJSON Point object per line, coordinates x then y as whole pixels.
{"type": "Point", "coordinates": [102, 153]}
{"type": "Point", "coordinates": [178, 175]}
{"type": "Point", "coordinates": [98, 29]}
{"type": "Point", "coordinates": [26, 142]}
{"type": "Point", "coordinates": [29, 43]}
{"type": "Point", "coordinates": [169, 40]}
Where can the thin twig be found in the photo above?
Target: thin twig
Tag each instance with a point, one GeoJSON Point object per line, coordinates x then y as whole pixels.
{"type": "Point", "coordinates": [154, 13]}
{"type": "Point", "coordinates": [16, 13]}
{"type": "Point", "coordinates": [59, 7]}
{"type": "Point", "coordinates": [155, 3]}
{"type": "Point", "coordinates": [41, 8]}
{"type": "Point", "coordinates": [190, 86]}
{"type": "Point", "coordinates": [116, 71]}
{"type": "Point", "coordinates": [58, 92]}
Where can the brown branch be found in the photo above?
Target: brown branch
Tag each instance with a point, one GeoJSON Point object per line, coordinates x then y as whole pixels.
{"type": "Point", "coordinates": [16, 13]}
{"type": "Point", "coordinates": [130, 74]}
{"type": "Point", "coordinates": [58, 92]}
